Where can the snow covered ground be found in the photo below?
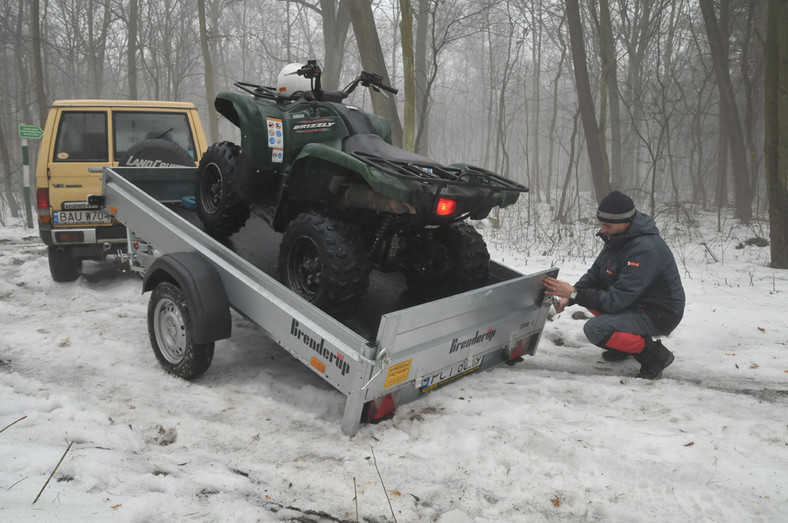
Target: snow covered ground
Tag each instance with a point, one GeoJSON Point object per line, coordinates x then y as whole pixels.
{"type": "Point", "coordinates": [561, 436]}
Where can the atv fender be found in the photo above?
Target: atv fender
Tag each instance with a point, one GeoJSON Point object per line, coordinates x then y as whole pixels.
{"type": "Point", "coordinates": [203, 289]}
{"type": "Point", "coordinates": [244, 112]}
{"type": "Point", "coordinates": [316, 166]}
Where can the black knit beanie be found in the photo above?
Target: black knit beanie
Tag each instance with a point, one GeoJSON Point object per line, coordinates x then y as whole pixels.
{"type": "Point", "coordinates": [616, 207]}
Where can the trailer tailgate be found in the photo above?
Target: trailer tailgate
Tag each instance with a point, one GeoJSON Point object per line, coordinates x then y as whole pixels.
{"type": "Point", "coordinates": [432, 344]}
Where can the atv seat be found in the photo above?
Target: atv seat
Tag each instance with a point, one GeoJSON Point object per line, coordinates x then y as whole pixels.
{"type": "Point", "coordinates": [373, 145]}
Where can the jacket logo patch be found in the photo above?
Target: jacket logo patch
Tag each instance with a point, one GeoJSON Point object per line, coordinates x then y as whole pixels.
{"type": "Point", "coordinates": [633, 264]}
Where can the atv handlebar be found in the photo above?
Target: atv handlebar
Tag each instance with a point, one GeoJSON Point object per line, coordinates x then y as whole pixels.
{"type": "Point", "coordinates": [313, 72]}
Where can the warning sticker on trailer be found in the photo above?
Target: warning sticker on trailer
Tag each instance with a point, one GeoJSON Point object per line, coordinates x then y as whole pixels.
{"type": "Point", "coordinates": [398, 373]}
{"type": "Point", "coordinates": [276, 138]}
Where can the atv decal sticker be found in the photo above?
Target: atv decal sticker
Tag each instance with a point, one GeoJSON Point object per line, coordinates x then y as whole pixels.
{"type": "Point", "coordinates": [277, 155]}
{"type": "Point", "coordinates": [275, 137]}
{"type": "Point", "coordinates": [314, 126]}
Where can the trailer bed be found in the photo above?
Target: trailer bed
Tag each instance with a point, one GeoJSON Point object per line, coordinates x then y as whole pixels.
{"type": "Point", "coordinates": [397, 348]}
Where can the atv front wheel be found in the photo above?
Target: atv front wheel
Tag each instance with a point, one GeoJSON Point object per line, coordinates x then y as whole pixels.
{"type": "Point", "coordinates": [450, 259]}
{"type": "Point", "coordinates": [323, 260]}
{"type": "Point", "coordinates": [219, 204]}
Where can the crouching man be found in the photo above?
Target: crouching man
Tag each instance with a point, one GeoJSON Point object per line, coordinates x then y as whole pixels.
{"type": "Point", "coordinates": [633, 288]}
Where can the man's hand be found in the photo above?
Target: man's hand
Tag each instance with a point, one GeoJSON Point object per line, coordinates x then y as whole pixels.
{"type": "Point", "coordinates": [561, 289]}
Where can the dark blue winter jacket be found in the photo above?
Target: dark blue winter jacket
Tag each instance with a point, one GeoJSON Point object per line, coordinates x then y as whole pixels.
{"type": "Point", "coordinates": [635, 271]}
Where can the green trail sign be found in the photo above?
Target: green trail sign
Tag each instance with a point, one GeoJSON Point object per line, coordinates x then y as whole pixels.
{"type": "Point", "coordinates": [30, 131]}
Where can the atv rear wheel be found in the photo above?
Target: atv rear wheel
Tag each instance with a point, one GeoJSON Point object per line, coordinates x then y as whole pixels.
{"type": "Point", "coordinates": [219, 205]}
{"type": "Point", "coordinates": [323, 260]}
{"type": "Point", "coordinates": [450, 259]}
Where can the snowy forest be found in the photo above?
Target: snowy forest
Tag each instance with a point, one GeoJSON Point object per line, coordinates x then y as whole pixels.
{"type": "Point", "coordinates": [675, 102]}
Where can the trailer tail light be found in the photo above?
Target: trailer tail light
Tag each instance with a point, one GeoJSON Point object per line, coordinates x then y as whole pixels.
{"type": "Point", "coordinates": [380, 409]}
{"type": "Point", "coordinates": [446, 207]}
{"type": "Point", "coordinates": [42, 206]}
{"type": "Point", "coordinates": [515, 354]}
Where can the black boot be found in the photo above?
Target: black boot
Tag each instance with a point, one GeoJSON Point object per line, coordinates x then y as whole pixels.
{"type": "Point", "coordinates": [653, 360]}
{"type": "Point", "coordinates": [614, 355]}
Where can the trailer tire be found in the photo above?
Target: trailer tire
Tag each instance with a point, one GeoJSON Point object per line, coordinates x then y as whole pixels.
{"type": "Point", "coordinates": [219, 203]}
{"type": "Point", "coordinates": [170, 329]}
{"type": "Point", "coordinates": [156, 153]}
{"type": "Point", "coordinates": [454, 258]}
{"type": "Point", "coordinates": [323, 260]}
{"type": "Point", "coordinates": [62, 265]}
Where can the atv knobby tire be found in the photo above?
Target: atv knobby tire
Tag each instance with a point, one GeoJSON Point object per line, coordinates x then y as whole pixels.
{"type": "Point", "coordinates": [450, 259]}
{"type": "Point", "coordinates": [323, 260]}
{"type": "Point", "coordinates": [170, 329]}
{"type": "Point", "coordinates": [156, 153]}
{"type": "Point", "coordinates": [219, 204]}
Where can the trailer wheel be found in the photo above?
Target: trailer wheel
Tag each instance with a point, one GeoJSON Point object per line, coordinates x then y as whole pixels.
{"type": "Point", "coordinates": [169, 326]}
{"type": "Point", "coordinates": [453, 259]}
{"type": "Point", "coordinates": [62, 265]}
{"type": "Point", "coordinates": [323, 260]}
{"type": "Point", "coordinates": [219, 204]}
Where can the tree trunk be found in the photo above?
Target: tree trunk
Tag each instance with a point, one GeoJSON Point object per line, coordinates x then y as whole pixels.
{"type": "Point", "coordinates": [611, 82]}
{"type": "Point", "coordinates": [131, 51]}
{"type": "Point", "coordinates": [741, 176]}
{"type": "Point", "coordinates": [213, 119]}
{"type": "Point", "coordinates": [597, 155]}
{"type": "Point", "coordinates": [776, 129]}
{"type": "Point", "coordinates": [422, 89]}
{"type": "Point", "coordinates": [372, 60]}
{"type": "Point", "coordinates": [409, 74]}
{"type": "Point", "coordinates": [336, 23]}
{"type": "Point", "coordinates": [38, 68]}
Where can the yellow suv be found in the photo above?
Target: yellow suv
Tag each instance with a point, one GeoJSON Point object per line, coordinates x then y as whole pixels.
{"type": "Point", "coordinates": [80, 138]}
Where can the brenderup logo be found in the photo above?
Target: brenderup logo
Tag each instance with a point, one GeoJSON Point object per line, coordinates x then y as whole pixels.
{"type": "Point", "coordinates": [319, 346]}
{"type": "Point", "coordinates": [477, 338]}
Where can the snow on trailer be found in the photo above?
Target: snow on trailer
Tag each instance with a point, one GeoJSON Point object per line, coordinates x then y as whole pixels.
{"type": "Point", "coordinates": [394, 350]}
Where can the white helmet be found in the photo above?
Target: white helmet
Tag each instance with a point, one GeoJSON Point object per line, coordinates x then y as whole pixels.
{"type": "Point", "coordinates": [288, 83]}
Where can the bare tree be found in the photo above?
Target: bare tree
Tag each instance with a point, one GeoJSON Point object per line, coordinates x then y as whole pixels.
{"type": "Point", "coordinates": [597, 154]}
{"type": "Point", "coordinates": [729, 112]}
{"type": "Point", "coordinates": [776, 128]}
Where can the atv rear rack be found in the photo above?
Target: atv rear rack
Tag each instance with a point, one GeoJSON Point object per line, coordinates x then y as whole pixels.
{"type": "Point", "coordinates": [471, 177]}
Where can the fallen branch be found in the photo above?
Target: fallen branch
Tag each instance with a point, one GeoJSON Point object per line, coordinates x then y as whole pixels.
{"type": "Point", "coordinates": [12, 424]}
{"type": "Point", "coordinates": [375, 461]}
{"type": "Point", "coordinates": [53, 472]}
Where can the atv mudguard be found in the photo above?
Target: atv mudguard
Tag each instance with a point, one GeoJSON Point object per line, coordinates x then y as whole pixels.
{"type": "Point", "coordinates": [319, 170]}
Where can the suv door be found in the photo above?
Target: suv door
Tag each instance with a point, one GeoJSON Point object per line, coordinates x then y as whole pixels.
{"type": "Point", "coordinates": [80, 151]}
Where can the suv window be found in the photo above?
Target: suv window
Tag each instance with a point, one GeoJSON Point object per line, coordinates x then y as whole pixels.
{"type": "Point", "coordinates": [82, 137]}
{"type": "Point", "coordinates": [131, 127]}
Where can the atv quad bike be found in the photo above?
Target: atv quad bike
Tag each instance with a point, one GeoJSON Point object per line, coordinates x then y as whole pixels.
{"type": "Point", "coordinates": [347, 201]}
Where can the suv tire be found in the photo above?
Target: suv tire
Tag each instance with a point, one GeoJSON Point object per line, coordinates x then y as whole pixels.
{"type": "Point", "coordinates": [62, 265]}
{"type": "Point", "coordinates": [156, 153]}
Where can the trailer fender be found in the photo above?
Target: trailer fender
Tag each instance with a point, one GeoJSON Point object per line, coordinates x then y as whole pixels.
{"type": "Point", "coordinates": [205, 295]}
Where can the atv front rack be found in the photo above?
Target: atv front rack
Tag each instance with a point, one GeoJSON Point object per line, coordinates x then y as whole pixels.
{"type": "Point", "coordinates": [470, 176]}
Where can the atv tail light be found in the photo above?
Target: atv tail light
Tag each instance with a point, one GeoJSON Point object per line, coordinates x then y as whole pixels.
{"type": "Point", "coordinates": [42, 206]}
{"type": "Point", "coordinates": [381, 409]}
{"type": "Point", "coordinates": [446, 207]}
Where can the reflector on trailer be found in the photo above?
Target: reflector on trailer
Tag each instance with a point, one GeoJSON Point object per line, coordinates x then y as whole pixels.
{"type": "Point", "coordinates": [380, 409]}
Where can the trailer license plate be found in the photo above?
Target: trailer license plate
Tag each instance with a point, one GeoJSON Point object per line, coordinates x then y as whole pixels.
{"type": "Point", "coordinates": [451, 373]}
{"type": "Point", "coordinates": [79, 217]}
